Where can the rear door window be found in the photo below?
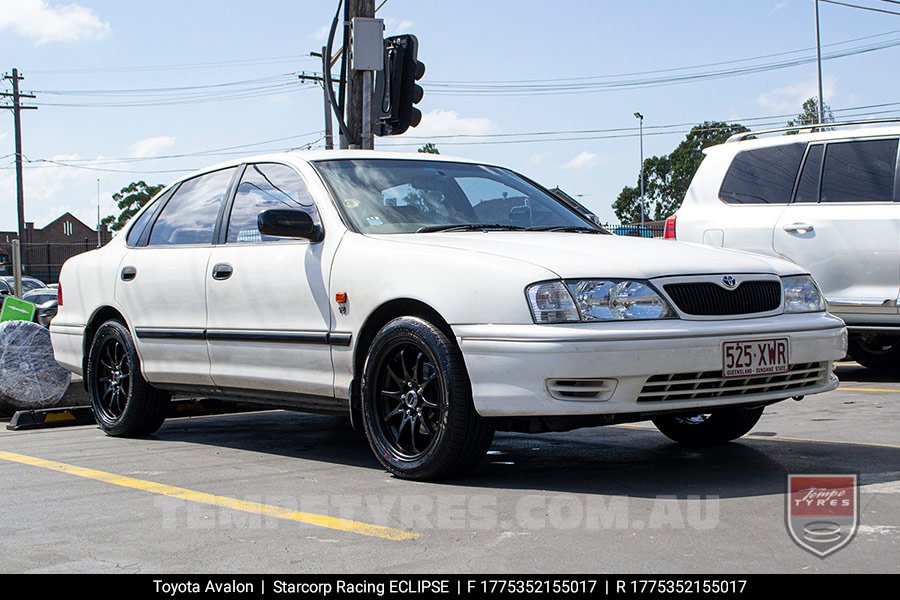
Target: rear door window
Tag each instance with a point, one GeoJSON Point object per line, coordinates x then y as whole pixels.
{"type": "Point", "coordinates": [861, 171]}
{"type": "Point", "coordinates": [762, 175]}
{"type": "Point", "coordinates": [190, 215]}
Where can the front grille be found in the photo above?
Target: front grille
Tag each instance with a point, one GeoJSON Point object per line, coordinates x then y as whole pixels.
{"type": "Point", "coordinates": [709, 299]}
{"type": "Point", "coordinates": [711, 384]}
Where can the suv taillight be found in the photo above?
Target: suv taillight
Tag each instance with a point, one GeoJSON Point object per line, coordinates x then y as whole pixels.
{"type": "Point", "coordinates": [669, 232]}
{"type": "Point", "coordinates": [59, 294]}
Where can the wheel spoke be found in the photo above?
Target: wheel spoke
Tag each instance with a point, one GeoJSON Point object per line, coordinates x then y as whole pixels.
{"type": "Point", "coordinates": [427, 426]}
{"type": "Point", "coordinates": [394, 376]}
{"type": "Point", "coordinates": [416, 366]}
{"type": "Point", "coordinates": [403, 364]}
{"type": "Point", "coordinates": [394, 412]}
{"type": "Point", "coordinates": [412, 433]}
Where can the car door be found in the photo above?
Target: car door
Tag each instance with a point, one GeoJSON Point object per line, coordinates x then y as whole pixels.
{"type": "Point", "coordinates": [162, 281]}
{"type": "Point", "coordinates": [844, 224]}
{"type": "Point", "coordinates": [268, 309]}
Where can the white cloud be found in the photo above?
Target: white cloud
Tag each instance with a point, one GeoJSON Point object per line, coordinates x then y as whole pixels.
{"type": "Point", "coordinates": [780, 6]}
{"type": "Point", "coordinates": [449, 122]}
{"type": "Point", "coordinates": [321, 34]}
{"type": "Point", "coordinates": [44, 23]}
{"type": "Point", "coordinates": [394, 26]}
{"type": "Point", "coordinates": [584, 160]}
{"type": "Point", "coordinates": [540, 158]}
{"type": "Point", "coordinates": [151, 146]}
{"type": "Point", "coordinates": [790, 98]}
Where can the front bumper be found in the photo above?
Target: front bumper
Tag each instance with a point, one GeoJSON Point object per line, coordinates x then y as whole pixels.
{"type": "Point", "coordinates": [512, 367]}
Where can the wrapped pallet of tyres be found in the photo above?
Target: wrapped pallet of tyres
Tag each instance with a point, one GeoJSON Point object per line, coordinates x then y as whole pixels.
{"type": "Point", "coordinates": [30, 378]}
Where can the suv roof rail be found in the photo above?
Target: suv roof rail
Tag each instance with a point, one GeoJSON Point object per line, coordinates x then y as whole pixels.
{"type": "Point", "coordinates": [737, 137]}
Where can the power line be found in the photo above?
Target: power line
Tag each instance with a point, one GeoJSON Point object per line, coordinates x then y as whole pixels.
{"type": "Point", "coordinates": [251, 62]}
{"type": "Point", "coordinates": [870, 8]}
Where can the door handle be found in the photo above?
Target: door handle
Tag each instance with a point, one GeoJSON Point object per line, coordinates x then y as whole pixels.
{"type": "Point", "coordinates": [222, 271]}
{"type": "Point", "coordinates": [128, 273]}
{"type": "Point", "coordinates": [799, 228]}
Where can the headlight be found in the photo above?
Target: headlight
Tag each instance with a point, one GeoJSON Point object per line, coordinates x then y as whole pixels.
{"type": "Point", "coordinates": [595, 300]}
{"type": "Point", "coordinates": [801, 294]}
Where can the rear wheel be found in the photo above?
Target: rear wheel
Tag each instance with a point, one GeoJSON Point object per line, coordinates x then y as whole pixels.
{"type": "Point", "coordinates": [714, 427]}
{"type": "Point", "coordinates": [124, 404]}
{"type": "Point", "coordinates": [875, 351]}
{"type": "Point", "coordinates": [417, 403]}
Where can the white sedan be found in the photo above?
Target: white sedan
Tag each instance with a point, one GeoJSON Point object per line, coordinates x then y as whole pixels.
{"type": "Point", "coordinates": [434, 301]}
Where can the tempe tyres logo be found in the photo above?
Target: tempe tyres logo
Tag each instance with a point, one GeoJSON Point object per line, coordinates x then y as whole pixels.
{"type": "Point", "coordinates": [822, 511]}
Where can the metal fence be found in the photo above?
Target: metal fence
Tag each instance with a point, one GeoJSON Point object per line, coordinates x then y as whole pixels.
{"type": "Point", "coordinates": [650, 229]}
{"type": "Point", "coordinates": [43, 260]}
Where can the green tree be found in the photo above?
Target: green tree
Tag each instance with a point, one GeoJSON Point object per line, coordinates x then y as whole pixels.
{"type": "Point", "coordinates": [809, 115]}
{"type": "Point", "coordinates": [429, 148]}
{"type": "Point", "coordinates": [130, 199]}
{"type": "Point", "coordinates": [667, 177]}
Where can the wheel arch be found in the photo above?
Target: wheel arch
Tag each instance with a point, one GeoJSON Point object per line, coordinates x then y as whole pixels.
{"type": "Point", "coordinates": [100, 316]}
{"type": "Point", "coordinates": [378, 318]}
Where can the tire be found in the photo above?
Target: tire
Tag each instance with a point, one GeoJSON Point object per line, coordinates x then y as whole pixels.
{"type": "Point", "coordinates": [417, 405]}
{"type": "Point", "coordinates": [124, 404]}
{"type": "Point", "coordinates": [706, 429]}
{"type": "Point", "coordinates": [876, 352]}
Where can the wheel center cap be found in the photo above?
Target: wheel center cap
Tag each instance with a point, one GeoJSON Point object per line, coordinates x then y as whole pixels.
{"type": "Point", "coordinates": [410, 398]}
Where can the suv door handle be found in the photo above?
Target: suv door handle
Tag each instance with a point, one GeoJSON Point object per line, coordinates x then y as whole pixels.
{"type": "Point", "coordinates": [222, 271]}
{"type": "Point", "coordinates": [799, 228]}
{"type": "Point", "coordinates": [128, 273]}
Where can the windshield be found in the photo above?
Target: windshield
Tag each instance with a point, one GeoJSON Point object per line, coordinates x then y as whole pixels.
{"type": "Point", "coordinates": [406, 196]}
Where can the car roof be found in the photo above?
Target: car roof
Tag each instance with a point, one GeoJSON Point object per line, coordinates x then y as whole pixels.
{"type": "Point", "coordinates": [309, 156]}
{"type": "Point", "coordinates": [767, 141]}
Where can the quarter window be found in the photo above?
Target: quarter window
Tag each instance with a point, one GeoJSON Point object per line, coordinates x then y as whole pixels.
{"type": "Point", "coordinates": [762, 175]}
{"type": "Point", "coordinates": [263, 187]}
{"type": "Point", "coordinates": [134, 234]}
{"type": "Point", "coordinates": [860, 171]}
{"type": "Point", "coordinates": [190, 216]}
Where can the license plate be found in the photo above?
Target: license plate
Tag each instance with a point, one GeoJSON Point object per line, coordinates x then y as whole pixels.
{"type": "Point", "coordinates": [754, 357]}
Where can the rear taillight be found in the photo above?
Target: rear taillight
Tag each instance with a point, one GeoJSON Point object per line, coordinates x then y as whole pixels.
{"type": "Point", "coordinates": [669, 232]}
{"type": "Point", "coordinates": [59, 294]}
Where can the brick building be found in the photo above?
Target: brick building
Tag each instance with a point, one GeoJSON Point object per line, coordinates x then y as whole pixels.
{"type": "Point", "coordinates": [45, 249]}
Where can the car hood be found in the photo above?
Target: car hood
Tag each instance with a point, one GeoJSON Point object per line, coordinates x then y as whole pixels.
{"type": "Point", "coordinates": [572, 255]}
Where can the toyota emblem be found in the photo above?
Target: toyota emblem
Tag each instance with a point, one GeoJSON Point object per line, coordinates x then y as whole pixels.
{"type": "Point", "coordinates": [728, 281]}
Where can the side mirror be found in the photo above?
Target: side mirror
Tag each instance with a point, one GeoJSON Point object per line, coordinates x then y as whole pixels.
{"type": "Point", "coordinates": [288, 223]}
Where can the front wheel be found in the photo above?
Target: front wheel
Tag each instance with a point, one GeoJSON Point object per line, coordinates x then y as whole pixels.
{"type": "Point", "coordinates": [875, 351]}
{"type": "Point", "coordinates": [714, 427]}
{"type": "Point", "coordinates": [417, 403]}
{"type": "Point", "coordinates": [124, 404]}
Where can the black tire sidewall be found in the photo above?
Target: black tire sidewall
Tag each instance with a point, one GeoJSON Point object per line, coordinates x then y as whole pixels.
{"type": "Point", "coordinates": [877, 361]}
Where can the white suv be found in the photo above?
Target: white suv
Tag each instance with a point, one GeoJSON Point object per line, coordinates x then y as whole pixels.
{"type": "Point", "coordinates": [828, 201]}
{"type": "Point", "coordinates": [433, 301]}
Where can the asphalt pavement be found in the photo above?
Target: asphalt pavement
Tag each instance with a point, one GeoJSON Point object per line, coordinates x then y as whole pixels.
{"type": "Point", "coordinates": [278, 491]}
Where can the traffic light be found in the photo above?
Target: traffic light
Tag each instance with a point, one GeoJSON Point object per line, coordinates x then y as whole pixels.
{"type": "Point", "coordinates": [396, 90]}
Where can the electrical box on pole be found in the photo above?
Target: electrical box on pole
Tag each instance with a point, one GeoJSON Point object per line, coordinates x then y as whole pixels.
{"type": "Point", "coordinates": [366, 44]}
{"type": "Point", "coordinates": [396, 90]}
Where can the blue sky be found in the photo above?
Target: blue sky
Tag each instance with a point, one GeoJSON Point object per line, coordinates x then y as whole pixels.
{"type": "Point", "coordinates": [100, 46]}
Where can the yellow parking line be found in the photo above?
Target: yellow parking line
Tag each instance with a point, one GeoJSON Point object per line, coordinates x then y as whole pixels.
{"type": "Point", "coordinates": [877, 390]}
{"type": "Point", "coordinates": [256, 508]}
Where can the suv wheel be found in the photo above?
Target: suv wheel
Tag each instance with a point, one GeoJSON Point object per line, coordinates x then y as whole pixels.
{"type": "Point", "coordinates": [704, 429]}
{"type": "Point", "coordinates": [875, 351]}
{"type": "Point", "coordinates": [417, 403]}
{"type": "Point", "coordinates": [124, 404]}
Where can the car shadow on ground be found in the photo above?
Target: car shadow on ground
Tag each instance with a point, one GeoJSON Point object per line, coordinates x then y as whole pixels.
{"type": "Point", "coordinates": [619, 461]}
{"type": "Point", "coordinates": [857, 374]}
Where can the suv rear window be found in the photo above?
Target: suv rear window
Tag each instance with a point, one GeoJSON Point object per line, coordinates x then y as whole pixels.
{"type": "Point", "coordinates": [860, 171]}
{"type": "Point", "coordinates": [762, 175]}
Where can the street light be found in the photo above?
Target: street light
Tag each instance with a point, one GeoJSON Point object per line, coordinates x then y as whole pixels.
{"type": "Point", "coordinates": [640, 118]}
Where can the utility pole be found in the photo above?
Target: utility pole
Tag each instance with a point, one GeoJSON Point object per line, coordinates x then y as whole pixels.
{"type": "Point", "coordinates": [356, 89]}
{"type": "Point", "coordinates": [819, 64]}
{"type": "Point", "coordinates": [329, 133]}
{"type": "Point", "coordinates": [17, 109]}
{"type": "Point", "coordinates": [99, 239]}
{"type": "Point", "coordinates": [640, 118]}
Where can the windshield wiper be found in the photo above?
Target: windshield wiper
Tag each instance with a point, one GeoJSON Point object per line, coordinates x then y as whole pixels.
{"type": "Point", "coordinates": [567, 228]}
{"type": "Point", "coordinates": [470, 227]}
